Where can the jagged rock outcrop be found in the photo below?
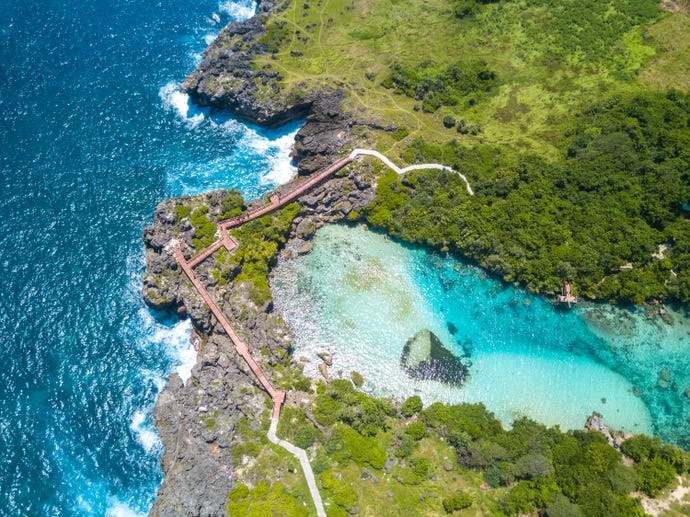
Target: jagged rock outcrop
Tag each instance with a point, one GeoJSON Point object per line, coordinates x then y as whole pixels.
{"type": "Point", "coordinates": [425, 357]}
{"type": "Point", "coordinates": [227, 79]}
{"type": "Point", "coordinates": [196, 420]}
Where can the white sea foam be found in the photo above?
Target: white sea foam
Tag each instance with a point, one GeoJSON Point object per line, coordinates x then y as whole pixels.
{"type": "Point", "coordinates": [175, 340]}
{"type": "Point", "coordinates": [277, 154]}
{"type": "Point", "coordinates": [185, 354]}
{"type": "Point", "coordinates": [238, 10]}
{"type": "Point", "coordinates": [210, 38]}
{"type": "Point", "coordinates": [174, 100]}
{"type": "Point", "coordinates": [144, 431]}
{"type": "Point", "coordinates": [117, 508]}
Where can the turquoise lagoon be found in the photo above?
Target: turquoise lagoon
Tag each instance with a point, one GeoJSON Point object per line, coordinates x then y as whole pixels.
{"type": "Point", "coordinates": [360, 296]}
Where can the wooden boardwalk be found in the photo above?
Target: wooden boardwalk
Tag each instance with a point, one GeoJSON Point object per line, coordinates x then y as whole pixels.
{"type": "Point", "coordinates": [225, 240]}
{"type": "Point", "coordinates": [229, 243]}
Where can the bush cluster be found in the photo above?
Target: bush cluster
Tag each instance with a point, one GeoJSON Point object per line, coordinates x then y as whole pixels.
{"type": "Point", "coordinates": [259, 243]}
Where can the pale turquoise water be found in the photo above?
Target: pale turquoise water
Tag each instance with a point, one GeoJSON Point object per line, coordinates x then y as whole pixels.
{"type": "Point", "coordinates": [360, 296]}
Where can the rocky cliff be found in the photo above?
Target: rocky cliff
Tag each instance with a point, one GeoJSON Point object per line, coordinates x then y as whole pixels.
{"type": "Point", "coordinates": [197, 420]}
{"type": "Point", "coordinates": [227, 79]}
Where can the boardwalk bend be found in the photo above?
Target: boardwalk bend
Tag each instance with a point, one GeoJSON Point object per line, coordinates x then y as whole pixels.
{"type": "Point", "coordinates": [229, 243]}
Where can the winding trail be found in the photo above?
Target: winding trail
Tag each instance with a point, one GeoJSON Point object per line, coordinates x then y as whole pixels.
{"type": "Point", "coordinates": [368, 152]}
{"type": "Point", "coordinates": [229, 243]}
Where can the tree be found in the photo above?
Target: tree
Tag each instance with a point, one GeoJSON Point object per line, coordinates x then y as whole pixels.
{"type": "Point", "coordinates": [654, 475]}
{"type": "Point", "coordinates": [412, 405]}
{"type": "Point", "coordinates": [416, 430]}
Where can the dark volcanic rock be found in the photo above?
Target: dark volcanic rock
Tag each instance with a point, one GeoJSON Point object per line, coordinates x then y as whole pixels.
{"type": "Point", "coordinates": [227, 79]}
{"type": "Point", "coordinates": [425, 357]}
{"type": "Point", "coordinates": [324, 135]}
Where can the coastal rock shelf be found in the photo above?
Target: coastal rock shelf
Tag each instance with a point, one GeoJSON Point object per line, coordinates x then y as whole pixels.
{"type": "Point", "coordinates": [360, 296]}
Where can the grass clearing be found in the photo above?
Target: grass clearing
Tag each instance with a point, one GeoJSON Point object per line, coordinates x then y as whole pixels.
{"type": "Point", "coordinates": [671, 66]}
{"type": "Point", "coordinates": [550, 61]}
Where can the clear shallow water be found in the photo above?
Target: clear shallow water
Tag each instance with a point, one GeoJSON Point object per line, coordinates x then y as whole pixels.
{"type": "Point", "coordinates": [361, 296]}
{"type": "Point", "coordinates": [93, 137]}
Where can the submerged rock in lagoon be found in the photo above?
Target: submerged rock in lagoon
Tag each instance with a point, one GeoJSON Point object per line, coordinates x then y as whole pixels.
{"type": "Point", "coordinates": [424, 357]}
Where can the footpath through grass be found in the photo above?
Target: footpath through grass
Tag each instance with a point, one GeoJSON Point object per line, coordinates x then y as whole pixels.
{"type": "Point", "coordinates": [513, 71]}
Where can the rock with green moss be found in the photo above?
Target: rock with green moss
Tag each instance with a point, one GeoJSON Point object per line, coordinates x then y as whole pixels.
{"type": "Point", "coordinates": [424, 357]}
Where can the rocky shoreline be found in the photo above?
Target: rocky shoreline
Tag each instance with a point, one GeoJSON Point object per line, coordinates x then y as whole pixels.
{"type": "Point", "coordinates": [226, 80]}
{"type": "Point", "coordinates": [197, 421]}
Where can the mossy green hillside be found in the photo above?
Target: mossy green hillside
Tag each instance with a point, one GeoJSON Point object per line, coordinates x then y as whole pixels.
{"type": "Point", "coordinates": [383, 458]}
{"type": "Point", "coordinates": [515, 69]}
{"type": "Point", "coordinates": [537, 103]}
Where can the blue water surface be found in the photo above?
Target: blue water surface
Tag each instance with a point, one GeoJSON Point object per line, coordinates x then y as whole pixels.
{"type": "Point", "coordinates": [93, 136]}
{"type": "Point", "coordinates": [361, 296]}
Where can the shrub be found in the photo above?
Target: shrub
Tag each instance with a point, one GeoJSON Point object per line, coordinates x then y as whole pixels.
{"type": "Point", "coordinates": [459, 501]}
{"type": "Point", "coordinates": [233, 204]}
{"type": "Point", "coordinates": [420, 467]}
{"type": "Point", "coordinates": [182, 211]}
{"type": "Point", "coordinates": [641, 447]}
{"type": "Point", "coordinates": [405, 448]}
{"type": "Point", "coordinates": [448, 122]}
{"type": "Point", "coordinates": [303, 384]}
{"type": "Point", "coordinates": [654, 475]}
{"type": "Point", "coordinates": [357, 379]}
{"type": "Point", "coordinates": [305, 436]}
{"type": "Point", "coordinates": [362, 449]}
{"type": "Point", "coordinates": [416, 430]}
{"type": "Point", "coordinates": [343, 495]}
{"type": "Point", "coordinates": [412, 405]}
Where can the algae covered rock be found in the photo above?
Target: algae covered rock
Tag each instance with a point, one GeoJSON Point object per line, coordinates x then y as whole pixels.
{"type": "Point", "coordinates": [425, 357]}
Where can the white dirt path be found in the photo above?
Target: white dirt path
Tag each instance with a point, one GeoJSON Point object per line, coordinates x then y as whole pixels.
{"type": "Point", "coordinates": [301, 455]}
{"type": "Point", "coordinates": [368, 152]}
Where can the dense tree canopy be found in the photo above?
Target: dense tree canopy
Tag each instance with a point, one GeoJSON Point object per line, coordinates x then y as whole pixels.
{"type": "Point", "coordinates": [597, 215]}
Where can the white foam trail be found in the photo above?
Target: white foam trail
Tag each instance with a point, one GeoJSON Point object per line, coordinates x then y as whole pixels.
{"type": "Point", "coordinates": [239, 10]}
{"type": "Point", "coordinates": [176, 340]}
{"type": "Point", "coordinates": [174, 100]}
{"type": "Point", "coordinates": [210, 38]}
{"type": "Point", "coordinates": [117, 508]}
{"type": "Point", "coordinates": [145, 433]}
{"type": "Point", "coordinates": [277, 153]}
{"type": "Point", "coordinates": [282, 169]}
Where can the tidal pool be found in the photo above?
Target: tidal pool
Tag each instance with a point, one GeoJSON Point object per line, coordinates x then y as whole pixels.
{"type": "Point", "coordinates": [360, 296]}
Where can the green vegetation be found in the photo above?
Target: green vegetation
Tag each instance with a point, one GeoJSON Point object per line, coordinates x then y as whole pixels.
{"type": "Point", "coordinates": [450, 86]}
{"type": "Point", "coordinates": [182, 211]}
{"type": "Point", "coordinates": [264, 500]}
{"type": "Point", "coordinates": [232, 204]}
{"type": "Point", "coordinates": [446, 459]}
{"type": "Point", "coordinates": [503, 91]}
{"type": "Point", "coordinates": [357, 379]}
{"type": "Point", "coordinates": [618, 192]}
{"type": "Point", "coordinates": [259, 242]}
{"type": "Point", "coordinates": [205, 230]}
{"type": "Point", "coordinates": [459, 501]}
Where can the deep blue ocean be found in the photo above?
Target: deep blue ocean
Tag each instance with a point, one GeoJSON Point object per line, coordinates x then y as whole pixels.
{"type": "Point", "coordinates": [94, 136]}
